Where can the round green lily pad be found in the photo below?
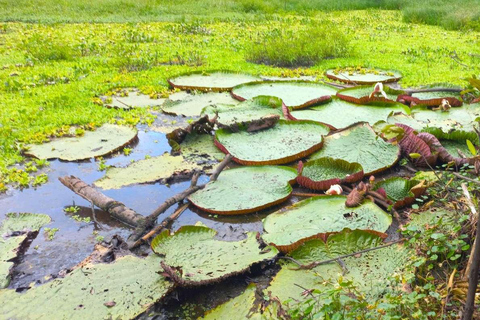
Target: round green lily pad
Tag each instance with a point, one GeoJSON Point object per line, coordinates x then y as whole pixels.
{"type": "Point", "coordinates": [248, 110]}
{"type": "Point", "coordinates": [361, 95]}
{"type": "Point", "coordinates": [193, 104]}
{"type": "Point", "coordinates": [329, 113]}
{"type": "Point", "coordinates": [130, 285]}
{"type": "Point", "coordinates": [285, 142]}
{"type": "Point", "coordinates": [400, 190]}
{"type": "Point", "coordinates": [295, 94]}
{"type": "Point", "coordinates": [105, 140]}
{"type": "Point", "coordinates": [317, 217]}
{"type": "Point", "coordinates": [355, 75]}
{"type": "Point", "coordinates": [322, 173]}
{"type": "Point", "coordinates": [211, 81]}
{"type": "Point", "coordinates": [245, 189]}
{"type": "Point", "coordinates": [203, 259]}
{"type": "Point", "coordinates": [359, 143]}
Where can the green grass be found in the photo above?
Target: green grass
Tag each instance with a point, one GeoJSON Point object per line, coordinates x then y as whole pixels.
{"type": "Point", "coordinates": [306, 47]}
{"type": "Point", "coordinates": [451, 14]}
{"type": "Point", "coordinates": [52, 73]}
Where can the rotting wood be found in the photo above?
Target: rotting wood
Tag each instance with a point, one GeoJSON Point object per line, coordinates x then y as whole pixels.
{"type": "Point", "coordinates": [473, 265]}
{"type": "Point", "coordinates": [149, 221]}
{"type": "Point", "coordinates": [115, 208]}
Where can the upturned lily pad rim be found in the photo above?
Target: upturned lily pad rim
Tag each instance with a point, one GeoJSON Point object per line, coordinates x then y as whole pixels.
{"type": "Point", "coordinates": [432, 102]}
{"type": "Point", "coordinates": [329, 74]}
{"type": "Point", "coordinates": [206, 89]}
{"type": "Point", "coordinates": [409, 183]}
{"type": "Point", "coordinates": [307, 182]}
{"type": "Point", "coordinates": [313, 102]}
{"type": "Point", "coordinates": [254, 209]}
{"type": "Point", "coordinates": [343, 94]}
{"type": "Point", "coordinates": [283, 160]}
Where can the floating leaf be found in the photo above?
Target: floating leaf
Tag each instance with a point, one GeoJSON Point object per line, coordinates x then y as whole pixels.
{"type": "Point", "coordinates": [457, 142]}
{"type": "Point", "coordinates": [193, 104]}
{"type": "Point", "coordinates": [105, 140]}
{"type": "Point", "coordinates": [322, 173]}
{"type": "Point", "coordinates": [212, 81]}
{"type": "Point", "coordinates": [148, 170]}
{"type": "Point", "coordinates": [330, 113]}
{"type": "Point", "coordinates": [200, 147]}
{"type": "Point", "coordinates": [133, 283]}
{"type": "Point", "coordinates": [239, 307]}
{"type": "Point", "coordinates": [287, 141]}
{"type": "Point", "coordinates": [246, 111]}
{"type": "Point", "coordinates": [361, 95]}
{"type": "Point", "coordinates": [134, 99]}
{"type": "Point", "coordinates": [463, 118]}
{"type": "Point", "coordinates": [363, 76]}
{"type": "Point", "coordinates": [295, 94]}
{"type": "Point", "coordinates": [246, 189]}
{"type": "Point", "coordinates": [359, 143]}
{"type": "Point", "coordinates": [13, 232]}
{"type": "Point", "coordinates": [317, 217]}
{"type": "Point", "coordinates": [370, 272]}
{"type": "Point", "coordinates": [196, 258]}
{"type": "Point", "coordinates": [401, 191]}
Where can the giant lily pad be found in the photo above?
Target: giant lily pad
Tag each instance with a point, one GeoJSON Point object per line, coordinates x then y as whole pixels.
{"type": "Point", "coordinates": [361, 95]}
{"type": "Point", "coordinates": [322, 173]}
{"type": "Point", "coordinates": [130, 98]}
{"type": "Point", "coordinates": [317, 217]}
{"type": "Point", "coordinates": [105, 140]}
{"type": "Point", "coordinates": [340, 114]}
{"type": "Point", "coordinates": [463, 118]}
{"type": "Point", "coordinates": [434, 99]}
{"type": "Point", "coordinates": [194, 257]}
{"type": "Point", "coordinates": [283, 143]}
{"type": "Point", "coordinates": [244, 190]}
{"type": "Point", "coordinates": [456, 141]}
{"type": "Point", "coordinates": [148, 170]}
{"type": "Point", "coordinates": [193, 104]}
{"type": "Point", "coordinates": [199, 148]}
{"type": "Point", "coordinates": [359, 143]}
{"type": "Point", "coordinates": [357, 76]}
{"type": "Point", "coordinates": [400, 191]}
{"type": "Point", "coordinates": [248, 110]}
{"type": "Point", "coordinates": [211, 81]}
{"type": "Point", "coordinates": [13, 232]}
{"type": "Point", "coordinates": [295, 94]}
{"type": "Point", "coordinates": [370, 272]}
{"type": "Point", "coordinates": [120, 290]}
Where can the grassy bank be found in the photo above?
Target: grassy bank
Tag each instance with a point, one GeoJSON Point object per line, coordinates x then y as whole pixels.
{"type": "Point", "coordinates": [52, 73]}
{"type": "Point", "coordinates": [448, 14]}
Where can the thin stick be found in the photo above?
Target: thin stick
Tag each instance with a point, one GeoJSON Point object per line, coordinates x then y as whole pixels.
{"type": "Point", "coordinates": [473, 265]}
{"type": "Point", "coordinates": [161, 226]}
{"type": "Point", "coordinates": [474, 213]}
{"type": "Point", "coordinates": [317, 263]}
{"type": "Point", "coordinates": [458, 175]}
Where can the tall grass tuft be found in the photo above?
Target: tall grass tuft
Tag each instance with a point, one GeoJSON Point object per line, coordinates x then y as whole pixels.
{"type": "Point", "coordinates": [300, 48]}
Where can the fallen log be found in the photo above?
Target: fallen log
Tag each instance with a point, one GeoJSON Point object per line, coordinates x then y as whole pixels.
{"type": "Point", "coordinates": [115, 208]}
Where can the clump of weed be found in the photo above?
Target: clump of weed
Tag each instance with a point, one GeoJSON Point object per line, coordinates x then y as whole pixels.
{"type": "Point", "coordinates": [41, 48]}
{"type": "Point", "coordinates": [190, 28]}
{"type": "Point", "coordinates": [294, 48]}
